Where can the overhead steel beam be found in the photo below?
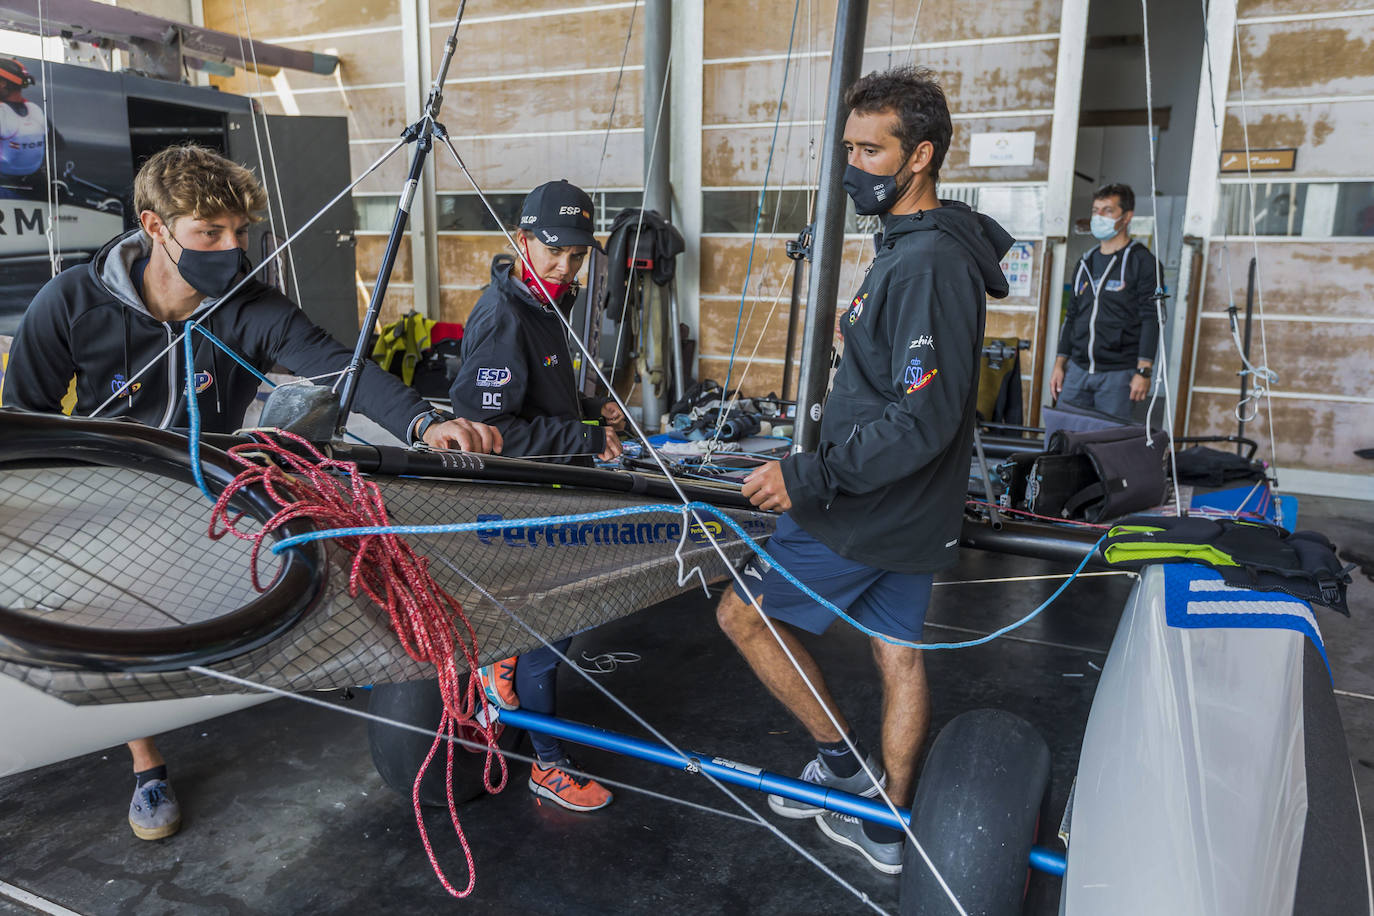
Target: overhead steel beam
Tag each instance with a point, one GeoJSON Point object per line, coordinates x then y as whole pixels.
{"type": "Point", "coordinates": [90, 21]}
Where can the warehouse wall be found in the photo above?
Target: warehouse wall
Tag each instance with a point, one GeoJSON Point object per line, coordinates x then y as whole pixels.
{"type": "Point", "coordinates": [1308, 85]}
{"type": "Point", "coordinates": [528, 98]}
{"type": "Point", "coordinates": [997, 62]}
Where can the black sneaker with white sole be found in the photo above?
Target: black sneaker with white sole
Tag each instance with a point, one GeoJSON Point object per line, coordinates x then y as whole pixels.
{"type": "Point", "coordinates": [849, 831]}
{"type": "Point", "coordinates": [817, 772]}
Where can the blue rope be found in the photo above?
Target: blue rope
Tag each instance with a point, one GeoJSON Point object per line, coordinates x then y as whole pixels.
{"type": "Point", "coordinates": [763, 192]}
{"type": "Point", "coordinates": [498, 524]}
{"type": "Point", "coordinates": [260, 377]}
{"type": "Point", "coordinates": [193, 409]}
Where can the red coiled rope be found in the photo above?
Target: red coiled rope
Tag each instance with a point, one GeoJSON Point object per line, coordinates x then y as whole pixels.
{"type": "Point", "coordinates": [333, 494]}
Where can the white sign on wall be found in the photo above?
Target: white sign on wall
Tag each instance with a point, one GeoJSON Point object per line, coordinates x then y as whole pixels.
{"type": "Point", "coordinates": [1002, 149]}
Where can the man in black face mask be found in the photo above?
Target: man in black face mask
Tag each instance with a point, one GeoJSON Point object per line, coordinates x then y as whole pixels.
{"type": "Point", "coordinates": [91, 327]}
{"type": "Point", "coordinates": [876, 508]}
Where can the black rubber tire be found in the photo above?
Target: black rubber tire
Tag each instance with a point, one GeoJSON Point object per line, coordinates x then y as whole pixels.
{"type": "Point", "coordinates": [976, 810]}
{"type": "Point", "coordinates": [397, 753]}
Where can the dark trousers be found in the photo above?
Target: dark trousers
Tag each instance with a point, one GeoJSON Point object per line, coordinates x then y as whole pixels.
{"type": "Point", "coordinates": [536, 677]}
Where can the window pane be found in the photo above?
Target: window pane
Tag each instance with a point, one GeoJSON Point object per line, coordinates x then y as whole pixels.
{"type": "Point", "coordinates": [1299, 209]}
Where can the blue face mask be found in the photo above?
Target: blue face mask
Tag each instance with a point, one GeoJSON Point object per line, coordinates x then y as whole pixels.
{"type": "Point", "coordinates": [1103, 227]}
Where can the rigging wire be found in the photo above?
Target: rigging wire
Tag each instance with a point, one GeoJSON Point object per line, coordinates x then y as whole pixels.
{"type": "Point", "coordinates": [253, 113]}
{"type": "Point", "coordinates": [1254, 241]}
{"type": "Point", "coordinates": [1162, 370]}
{"type": "Point", "coordinates": [1262, 376]}
{"type": "Point", "coordinates": [243, 281]}
{"type": "Point", "coordinates": [53, 231]}
{"type": "Point", "coordinates": [758, 212]}
{"type": "Point", "coordinates": [615, 96]}
{"type": "Point", "coordinates": [688, 506]}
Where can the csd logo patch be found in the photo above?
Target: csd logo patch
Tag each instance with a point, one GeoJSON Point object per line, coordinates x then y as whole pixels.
{"type": "Point", "coordinates": [118, 382]}
{"type": "Point", "coordinates": [551, 360]}
{"type": "Point", "coordinates": [914, 378]}
{"type": "Point", "coordinates": [203, 380]}
{"type": "Point", "coordinates": [493, 378]}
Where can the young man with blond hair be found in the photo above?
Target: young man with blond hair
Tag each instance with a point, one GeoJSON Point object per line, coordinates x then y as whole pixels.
{"type": "Point", "coordinates": [97, 324]}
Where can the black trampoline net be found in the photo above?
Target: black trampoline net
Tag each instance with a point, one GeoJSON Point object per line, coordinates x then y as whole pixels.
{"type": "Point", "coordinates": [115, 549]}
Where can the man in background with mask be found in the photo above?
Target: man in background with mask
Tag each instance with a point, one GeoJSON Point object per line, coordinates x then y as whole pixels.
{"type": "Point", "coordinates": [92, 327]}
{"type": "Point", "coordinates": [876, 509]}
{"type": "Point", "coordinates": [1110, 332]}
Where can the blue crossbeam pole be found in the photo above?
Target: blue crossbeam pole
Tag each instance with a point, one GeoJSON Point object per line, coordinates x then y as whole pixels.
{"type": "Point", "coordinates": [734, 773]}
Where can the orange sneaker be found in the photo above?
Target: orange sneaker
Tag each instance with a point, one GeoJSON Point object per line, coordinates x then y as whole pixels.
{"type": "Point", "coordinates": [498, 683]}
{"type": "Point", "coordinates": [576, 793]}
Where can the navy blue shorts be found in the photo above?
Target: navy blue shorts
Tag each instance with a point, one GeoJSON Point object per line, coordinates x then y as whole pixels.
{"type": "Point", "coordinates": [886, 602]}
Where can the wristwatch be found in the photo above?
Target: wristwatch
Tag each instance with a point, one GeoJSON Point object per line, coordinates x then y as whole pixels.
{"type": "Point", "coordinates": [425, 420]}
{"type": "Point", "coordinates": [1144, 371]}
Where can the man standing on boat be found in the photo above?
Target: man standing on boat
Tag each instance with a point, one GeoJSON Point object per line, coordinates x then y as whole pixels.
{"type": "Point", "coordinates": [876, 509]}
{"type": "Point", "coordinates": [1110, 332]}
{"type": "Point", "coordinates": [517, 375]}
{"type": "Point", "coordinates": [93, 326]}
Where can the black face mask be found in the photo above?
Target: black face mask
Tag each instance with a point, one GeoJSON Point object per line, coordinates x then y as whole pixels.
{"type": "Point", "coordinates": [873, 194]}
{"type": "Point", "coordinates": [210, 273]}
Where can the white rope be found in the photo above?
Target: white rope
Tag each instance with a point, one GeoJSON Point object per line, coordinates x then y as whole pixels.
{"type": "Point", "coordinates": [715, 544]}
{"type": "Point", "coordinates": [470, 745]}
{"type": "Point", "coordinates": [1161, 371]}
{"type": "Point", "coordinates": [647, 726]}
{"type": "Point", "coordinates": [1254, 241]}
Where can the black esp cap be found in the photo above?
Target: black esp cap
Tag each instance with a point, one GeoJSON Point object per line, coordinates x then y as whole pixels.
{"type": "Point", "coordinates": [559, 214]}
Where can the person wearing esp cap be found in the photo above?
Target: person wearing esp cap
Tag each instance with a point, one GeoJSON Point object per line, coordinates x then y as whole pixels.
{"type": "Point", "coordinates": [517, 375]}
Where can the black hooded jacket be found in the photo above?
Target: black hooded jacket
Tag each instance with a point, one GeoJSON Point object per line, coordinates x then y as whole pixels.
{"type": "Point", "coordinates": [1115, 328]}
{"type": "Point", "coordinates": [886, 485]}
{"type": "Point", "coordinates": [517, 374]}
{"type": "Point", "coordinates": [89, 322]}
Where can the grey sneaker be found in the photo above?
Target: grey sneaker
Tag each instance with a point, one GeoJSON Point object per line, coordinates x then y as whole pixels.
{"type": "Point", "coordinates": [816, 771]}
{"type": "Point", "coordinates": [849, 831]}
{"type": "Point", "coordinates": [154, 812]}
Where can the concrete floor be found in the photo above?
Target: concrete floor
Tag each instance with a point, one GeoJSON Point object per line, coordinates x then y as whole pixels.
{"type": "Point", "coordinates": [284, 812]}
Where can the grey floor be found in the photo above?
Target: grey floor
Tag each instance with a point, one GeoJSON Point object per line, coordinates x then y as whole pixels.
{"type": "Point", "coordinates": [284, 812]}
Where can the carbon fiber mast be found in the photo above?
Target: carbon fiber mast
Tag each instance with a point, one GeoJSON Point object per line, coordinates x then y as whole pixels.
{"type": "Point", "coordinates": [851, 21]}
{"type": "Point", "coordinates": [421, 133]}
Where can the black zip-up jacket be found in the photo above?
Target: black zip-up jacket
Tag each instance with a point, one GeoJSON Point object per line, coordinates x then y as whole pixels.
{"type": "Point", "coordinates": [1120, 327]}
{"type": "Point", "coordinates": [886, 485]}
{"type": "Point", "coordinates": [517, 374]}
{"type": "Point", "coordinates": [91, 323]}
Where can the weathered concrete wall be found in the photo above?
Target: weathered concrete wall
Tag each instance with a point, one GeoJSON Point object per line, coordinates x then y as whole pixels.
{"type": "Point", "coordinates": [992, 85]}
{"type": "Point", "coordinates": [1304, 83]}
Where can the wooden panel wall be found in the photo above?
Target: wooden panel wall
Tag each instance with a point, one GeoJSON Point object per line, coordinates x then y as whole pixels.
{"type": "Point", "coordinates": [1307, 82]}
{"type": "Point", "coordinates": [992, 85]}
{"type": "Point", "coordinates": [528, 98]}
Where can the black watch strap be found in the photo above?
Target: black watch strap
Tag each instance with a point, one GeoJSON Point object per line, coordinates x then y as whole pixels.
{"type": "Point", "coordinates": [1144, 371]}
{"type": "Point", "coordinates": [428, 419]}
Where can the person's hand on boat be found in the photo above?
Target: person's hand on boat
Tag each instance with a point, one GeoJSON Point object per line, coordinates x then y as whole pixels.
{"type": "Point", "coordinates": [614, 416]}
{"type": "Point", "coordinates": [465, 435]}
{"type": "Point", "coordinates": [766, 488]}
{"type": "Point", "coordinates": [613, 446]}
{"type": "Point", "coordinates": [1056, 381]}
